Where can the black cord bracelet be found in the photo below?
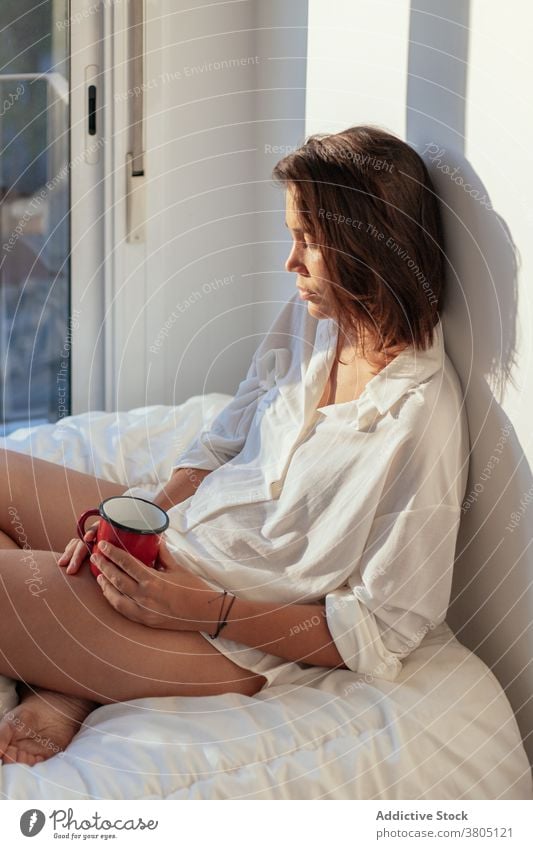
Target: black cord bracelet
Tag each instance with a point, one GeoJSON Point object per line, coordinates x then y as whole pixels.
{"type": "Point", "coordinates": [222, 621]}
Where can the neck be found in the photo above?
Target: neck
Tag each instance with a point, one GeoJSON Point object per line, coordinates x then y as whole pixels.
{"type": "Point", "coordinates": [374, 356]}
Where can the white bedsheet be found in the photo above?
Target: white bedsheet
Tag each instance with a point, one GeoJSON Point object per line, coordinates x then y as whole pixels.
{"type": "Point", "coordinates": [443, 730]}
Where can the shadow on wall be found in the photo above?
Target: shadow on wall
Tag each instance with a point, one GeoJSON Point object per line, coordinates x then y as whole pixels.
{"type": "Point", "coordinates": [492, 599]}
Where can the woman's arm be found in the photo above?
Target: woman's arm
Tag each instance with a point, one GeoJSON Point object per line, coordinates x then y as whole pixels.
{"type": "Point", "coordinates": [178, 599]}
{"type": "Point", "coordinates": [182, 484]}
{"type": "Point", "coordinates": [296, 632]}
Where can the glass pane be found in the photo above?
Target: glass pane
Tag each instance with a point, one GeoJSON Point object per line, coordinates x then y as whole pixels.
{"type": "Point", "coordinates": [35, 333]}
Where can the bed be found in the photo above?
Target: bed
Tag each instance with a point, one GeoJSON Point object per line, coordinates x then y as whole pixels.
{"type": "Point", "coordinates": [444, 729]}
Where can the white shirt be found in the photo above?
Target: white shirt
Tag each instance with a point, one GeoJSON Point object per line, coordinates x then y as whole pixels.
{"type": "Point", "coordinates": [356, 503]}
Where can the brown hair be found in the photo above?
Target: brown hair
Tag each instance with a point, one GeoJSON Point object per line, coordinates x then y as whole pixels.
{"type": "Point", "coordinates": [366, 199]}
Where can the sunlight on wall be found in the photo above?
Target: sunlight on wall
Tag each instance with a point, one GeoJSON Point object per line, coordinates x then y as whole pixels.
{"type": "Point", "coordinates": [357, 65]}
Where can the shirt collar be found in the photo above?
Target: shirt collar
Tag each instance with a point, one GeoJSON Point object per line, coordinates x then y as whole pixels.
{"type": "Point", "coordinates": [406, 371]}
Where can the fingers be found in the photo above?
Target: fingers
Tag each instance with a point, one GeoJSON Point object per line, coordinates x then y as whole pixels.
{"type": "Point", "coordinates": [164, 555]}
{"type": "Point", "coordinates": [117, 556]}
{"type": "Point", "coordinates": [19, 756]}
{"type": "Point", "coordinates": [76, 552]}
{"type": "Point", "coordinates": [79, 554]}
{"type": "Point", "coordinates": [72, 553]}
{"type": "Point", "coordinates": [28, 758]}
{"type": "Point", "coordinates": [10, 755]}
{"type": "Point", "coordinates": [65, 557]}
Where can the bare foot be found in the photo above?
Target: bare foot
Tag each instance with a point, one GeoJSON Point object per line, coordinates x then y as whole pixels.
{"type": "Point", "coordinates": [41, 726]}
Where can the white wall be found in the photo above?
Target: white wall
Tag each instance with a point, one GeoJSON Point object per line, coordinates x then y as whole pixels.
{"type": "Point", "coordinates": [185, 303]}
{"type": "Point", "coordinates": [281, 38]}
{"type": "Point", "coordinates": [357, 66]}
{"type": "Point", "coordinates": [454, 79]}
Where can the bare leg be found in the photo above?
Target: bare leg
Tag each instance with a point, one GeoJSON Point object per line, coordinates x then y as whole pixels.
{"type": "Point", "coordinates": [40, 501]}
{"type": "Point", "coordinates": [44, 722]}
{"type": "Point", "coordinates": [39, 504]}
{"type": "Point", "coordinates": [60, 633]}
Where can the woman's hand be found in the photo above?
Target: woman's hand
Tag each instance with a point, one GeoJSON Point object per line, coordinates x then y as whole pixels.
{"type": "Point", "coordinates": [167, 596]}
{"type": "Point", "coordinates": [77, 552]}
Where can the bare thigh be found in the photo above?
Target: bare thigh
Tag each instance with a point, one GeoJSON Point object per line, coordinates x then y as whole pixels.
{"type": "Point", "coordinates": [58, 632]}
{"type": "Point", "coordinates": [41, 501]}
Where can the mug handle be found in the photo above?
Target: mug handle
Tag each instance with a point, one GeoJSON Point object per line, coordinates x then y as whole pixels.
{"type": "Point", "coordinates": [81, 526]}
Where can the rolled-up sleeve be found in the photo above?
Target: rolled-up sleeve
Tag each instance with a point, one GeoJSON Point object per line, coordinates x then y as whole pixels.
{"type": "Point", "coordinates": [399, 591]}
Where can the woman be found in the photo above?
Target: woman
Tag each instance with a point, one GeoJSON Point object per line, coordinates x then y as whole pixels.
{"type": "Point", "coordinates": [324, 499]}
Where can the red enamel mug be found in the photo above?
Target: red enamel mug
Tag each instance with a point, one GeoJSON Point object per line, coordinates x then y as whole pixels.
{"type": "Point", "coordinates": [131, 523]}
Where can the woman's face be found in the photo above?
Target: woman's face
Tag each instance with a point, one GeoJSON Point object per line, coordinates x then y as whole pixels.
{"type": "Point", "coordinates": [305, 259]}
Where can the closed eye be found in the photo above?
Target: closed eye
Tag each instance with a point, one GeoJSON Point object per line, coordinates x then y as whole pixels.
{"type": "Point", "coordinates": [297, 237]}
{"type": "Point", "coordinates": [305, 244]}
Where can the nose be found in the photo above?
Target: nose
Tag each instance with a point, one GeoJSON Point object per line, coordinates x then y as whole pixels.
{"type": "Point", "coordinates": [294, 262]}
